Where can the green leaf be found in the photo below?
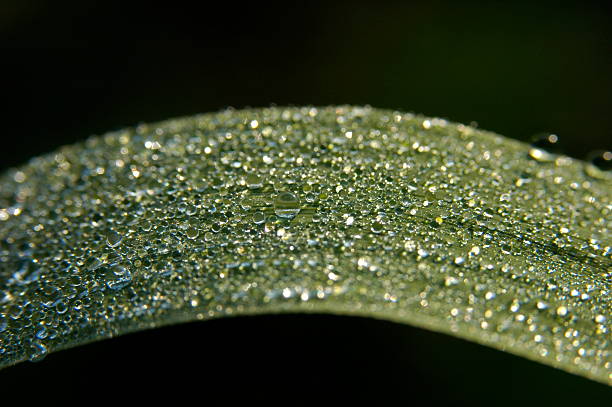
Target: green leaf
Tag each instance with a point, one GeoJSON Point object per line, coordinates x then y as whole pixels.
{"type": "Point", "coordinates": [345, 210]}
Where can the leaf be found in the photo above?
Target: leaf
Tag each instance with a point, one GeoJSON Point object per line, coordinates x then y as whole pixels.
{"type": "Point", "coordinates": [346, 210]}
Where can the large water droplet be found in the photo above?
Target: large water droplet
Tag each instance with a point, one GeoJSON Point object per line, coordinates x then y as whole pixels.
{"type": "Point", "coordinates": [601, 159]}
{"type": "Point", "coordinates": [599, 164]}
{"type": "Point", "coordinates": [286, 205]}
{"type": "Point", "coordinates": [544, 147]}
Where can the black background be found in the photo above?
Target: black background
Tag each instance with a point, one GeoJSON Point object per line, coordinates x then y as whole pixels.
{"type": "Point", "coordinates": [73, 69]}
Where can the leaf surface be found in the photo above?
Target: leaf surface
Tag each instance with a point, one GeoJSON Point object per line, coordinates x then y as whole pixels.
{"type": "Point", "coordinates": [346, 210]}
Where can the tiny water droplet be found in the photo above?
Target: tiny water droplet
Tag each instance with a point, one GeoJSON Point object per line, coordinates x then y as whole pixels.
{"type": "Point", "coordinates": [61, 307]}
{"type": "Point", "coordinates": [259, 218]}
{"type": "Point", "coordinates": [217, 183]}
{"type": "Point", "coordinates": [113, 239]}
{"type": "Point", "coordinates": [562, 311]}
{"type": "Point", "coordinates": [119, 277]}
{"type": "Point", "coordinates": [254, 181]}
{"type": "Point", "coordinates": [42, 333]}
{"type": "Point", "coordinates": [38, 352]}
{"type": "Point", "coordinates": [191, 232]}
{"type": "Point", "coordinates": [92, 263]}
{"type": "Point", "coordinates": [449, 281]}
{"type": "Point", "coordinates": [15, 311]}
{"type": "Point", "coordinates": [377, 227]}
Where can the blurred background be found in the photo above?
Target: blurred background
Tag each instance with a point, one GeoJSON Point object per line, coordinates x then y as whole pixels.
{"type": "Point", "coordinates": [73, 69]}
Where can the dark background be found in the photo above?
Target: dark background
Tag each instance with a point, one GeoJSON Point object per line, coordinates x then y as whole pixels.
{"type": "Point", "coordinates": [73, 69]}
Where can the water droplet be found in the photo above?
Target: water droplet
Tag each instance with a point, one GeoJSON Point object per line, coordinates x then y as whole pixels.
{"type": "Point", "coordinates": [286, 205]}
{"type": "Point", "coordinates": [543, 147]}
{"type": "Point", "coordinates": [191, 232]}
{"type": "Point", "coordinates": [599, 164]}
{"type": "Point", "coordinates": [562, 311]}
{"type": "Point", "coordinates": [217, 183]}
{"type": "Point", "coordinates": [259, 218]}
{"type": "Point", "coordinates": [377, 227]}
{"type": "Point", "coordinates": [118, 277]}
{"type": "Point", "coordinates": [92, 263]}
{"type": "Point", "coordinates": [450, 281]}
{"type": "Point", "coordinates": [602, 159]}
{"type": "Point", "coordinates": [38, 351]}
{"type": "Point", "coordinates": [254, 181]}
{"type": "Point", "coordinates": [61, 307]}
{"type": "Point", "coordinates": [42, 333]}
{"type": "Point", "coordinates": [113, 239]}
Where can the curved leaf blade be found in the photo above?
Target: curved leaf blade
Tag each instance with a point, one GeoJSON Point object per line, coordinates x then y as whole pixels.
{"type": "Point", "coordinates": [345, 210]}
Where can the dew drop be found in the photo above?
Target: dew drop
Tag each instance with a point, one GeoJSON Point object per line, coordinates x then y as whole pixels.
{"type": "Point", "coordinates": [377, 227]}
{"type": "Point", "coordinates": [38, 352]}
{"type": "Point", "coordinates": [562, 311]}
{"type": "Point", "coordinates": [254, 181]}
{"type": "Point", "coordinates": [259, 218]}
{"type": "Point", "coordinates": [286, 205]}
{"type": "Point", "coordinates": [92, 263]}
{"type": "Point", "coordinates": [113, 239]}
{"type": "Point", "coordinates": [217, 183]}
{"type": "Point", "coordinates": [119, 277]}
{"type": "Point", "coordinates": [450, 281]}
{"type": "Point", "coordinates": [543, 147]}
{"type": "Point", "coordinates": [602, 159]}
{"type": "Point", "coordinates": [61, 307]}
{"type": "Point", "coordinates": [599, 164]}
{"type": "Point", "coordinates": [146, 226]}
{"type": "Point", "coordinates": [42, 333]}
{"type": "Point", "coordinates": [191, 232]}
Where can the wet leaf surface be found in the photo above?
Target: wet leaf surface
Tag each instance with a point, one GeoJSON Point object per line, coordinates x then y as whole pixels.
{"type": "Point", "coordinates": [346, 210]}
